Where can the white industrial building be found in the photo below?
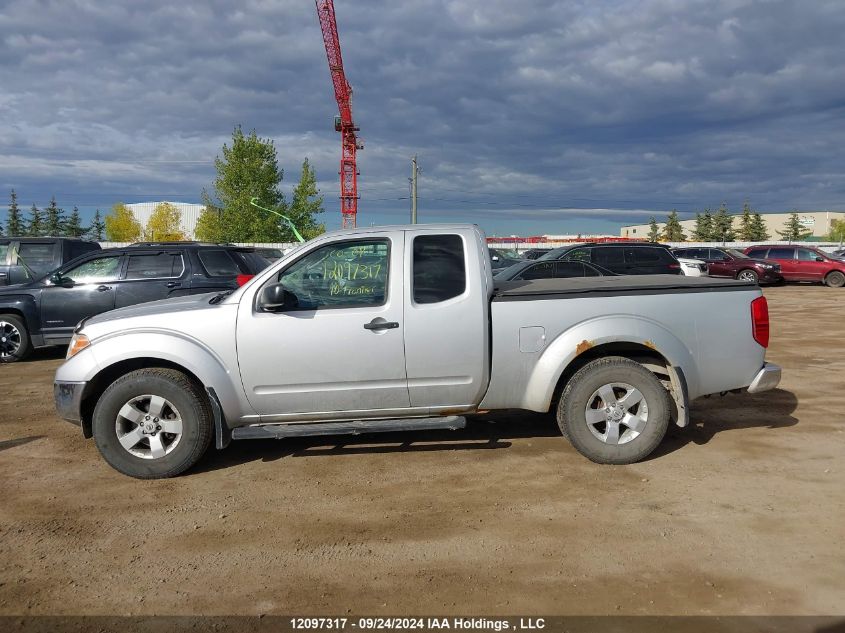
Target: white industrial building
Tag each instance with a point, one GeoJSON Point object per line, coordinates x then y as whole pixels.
{"type": "Point", "coordinates": [189, 214]}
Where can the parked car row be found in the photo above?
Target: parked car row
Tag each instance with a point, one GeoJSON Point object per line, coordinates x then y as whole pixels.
{"type": "Point", "coordinates": [44, 310]}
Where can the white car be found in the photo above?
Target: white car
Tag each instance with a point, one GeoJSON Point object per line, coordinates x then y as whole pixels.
{"type": "Point", "coordinates": [693, 267]}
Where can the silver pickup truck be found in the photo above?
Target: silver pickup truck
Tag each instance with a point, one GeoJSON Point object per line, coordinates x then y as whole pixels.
{"type": "Point", "coordinates": [402, 328]}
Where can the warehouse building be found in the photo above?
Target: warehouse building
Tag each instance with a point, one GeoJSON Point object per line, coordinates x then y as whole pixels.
{"type": "Point", "coordinates": [819, 222]}
{"type": "Point", "coordinates": [188, 212]}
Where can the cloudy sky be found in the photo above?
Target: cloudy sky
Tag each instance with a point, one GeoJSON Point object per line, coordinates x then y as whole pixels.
{"type": "Point", "coordinates": [528, 116]}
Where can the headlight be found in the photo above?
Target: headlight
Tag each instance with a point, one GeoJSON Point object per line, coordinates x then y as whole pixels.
{"type": "Point", "coordinates": [78, 343]}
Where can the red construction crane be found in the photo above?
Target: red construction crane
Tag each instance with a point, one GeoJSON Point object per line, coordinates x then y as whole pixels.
{"type": "Point", "coordinates": [343, 123]}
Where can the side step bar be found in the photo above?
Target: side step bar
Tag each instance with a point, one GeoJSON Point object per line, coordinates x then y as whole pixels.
{"type": "Point", "coordinates": [354, 427]}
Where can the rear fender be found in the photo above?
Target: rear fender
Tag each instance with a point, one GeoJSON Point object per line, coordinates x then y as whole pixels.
{"type": "Point", "coordinates": [562, 351]}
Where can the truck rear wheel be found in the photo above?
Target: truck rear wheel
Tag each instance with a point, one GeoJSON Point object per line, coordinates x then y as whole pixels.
{"type": "Point", "coordinates": [152, 423]}
{"type": "Point", "coordinates": [614, 411]}
{"type": "Point", "coordinates": [15, 343]}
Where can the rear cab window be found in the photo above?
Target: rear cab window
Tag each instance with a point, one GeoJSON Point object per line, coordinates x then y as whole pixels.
{"type": "Point", "coordinates": [439, 268]}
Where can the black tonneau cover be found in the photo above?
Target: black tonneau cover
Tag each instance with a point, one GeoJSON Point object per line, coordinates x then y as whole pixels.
{"type": "Point", "coordinates": [571, 287]}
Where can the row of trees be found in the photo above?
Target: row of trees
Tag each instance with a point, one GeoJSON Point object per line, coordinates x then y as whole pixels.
{"type": "Point", "coordinates": [247, 169]}
{"type": "Point", "coordinates": [720, 227]}
{"type": "Point", "coordinates": [52, 221]}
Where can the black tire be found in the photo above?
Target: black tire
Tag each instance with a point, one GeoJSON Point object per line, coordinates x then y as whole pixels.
{"type": "Point", "coordinates": [579, 394]}
{"type": "Point", "coordinates": [835, 279]}
{"type": "Point", "coordinates": [15, 343]}
{"type": "Point", "coordinates": [747, 275]}
{"type": "Point", "coordinates": [185, 400]}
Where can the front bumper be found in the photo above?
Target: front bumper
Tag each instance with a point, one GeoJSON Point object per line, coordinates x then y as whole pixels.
{"type": "Point", "coordinates": [767, 378]}
{"type": "Point", "coordinates": [68, 397]}
{"type": "Point", "coordinates": [770, 276]}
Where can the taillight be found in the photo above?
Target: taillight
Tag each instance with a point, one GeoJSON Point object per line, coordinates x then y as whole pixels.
{"type": "Point", "coordinates": [242, 279]}
{"type": "Point", "coordinates": [674, 266]}
{"type": "Point", "coordinates": [760, 320]}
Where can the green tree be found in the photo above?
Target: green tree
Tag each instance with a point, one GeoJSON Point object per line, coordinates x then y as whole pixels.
{"type": "Point", "coordinates": [758, 229]}
{"type": "Point", "coordinates": [35, 226]}
{"type": "Point", "coordinates": [14, 222]}
{"type": "Point", "coordinates": [164, 224]}
{"type": "Point", "coordinates": [703, 231]}
{"type": "Point", "coordinates": [673, 231]}
{"type": "Point", "coordinates": [53, 219]}
{"type": "Point", "coordinates": [247, 169]}
{"type": "Point", "coordinates": [306, 205]}
{"type": "Point", "coordinates": [121, 225]}
{"type": "Point", "coordinates": [209, 226]}
{"type": "Point", "coordinates": [793, 230]}
{"type": "Point", "coordinates": [837, 231]}
{"type": "Point", "coordinates": [653, 230]}
{"type": "Point", "coordinates": [746, 223]}
{"type": "Point", "coordinates": [73, 225]}
{"type": "Point", "coordinates": [723, 225]}
{"type": "Point", "coordinates": [97, 229]}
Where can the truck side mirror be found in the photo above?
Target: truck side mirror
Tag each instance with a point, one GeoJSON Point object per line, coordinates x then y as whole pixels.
{"type": "Point", "coordinates": [277, 298]}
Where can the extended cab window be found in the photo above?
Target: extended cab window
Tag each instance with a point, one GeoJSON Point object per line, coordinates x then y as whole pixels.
{"type": "Point", "coordinates": [154, 266]}
{"type": "Point", "coordinates": [97, 270]}
{"type": "Point", "coordinates": [341, 275]}
{"type": "Point", "coordinates": [439, 272]}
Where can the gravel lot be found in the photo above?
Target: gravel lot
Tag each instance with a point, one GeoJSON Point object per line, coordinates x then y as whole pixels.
{"type": "Point", "coordinates": [742, 513]}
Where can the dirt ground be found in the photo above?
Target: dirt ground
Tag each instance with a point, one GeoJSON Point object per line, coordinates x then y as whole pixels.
{"type": "Point", "coordinates": [742, 513]}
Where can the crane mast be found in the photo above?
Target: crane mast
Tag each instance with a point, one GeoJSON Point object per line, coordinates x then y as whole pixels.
{"type": "Point", "coordinates": [343, 123]}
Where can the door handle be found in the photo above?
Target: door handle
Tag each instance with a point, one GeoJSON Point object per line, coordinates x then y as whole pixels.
{"type": "Point", "coordinates": [2, 275]}
{"type": "Point", "coordinates": [381, 325]}
{"type": "Point", "coordinates": [103, 288]}
{"type": "Point", "coordinates": [174, 284]}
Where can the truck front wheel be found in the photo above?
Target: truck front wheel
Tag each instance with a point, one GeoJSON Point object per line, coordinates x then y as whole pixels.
{"type": "Point", "coordinates": [614, 411]}
{"type": "Point", "coordinates": [152, 423]}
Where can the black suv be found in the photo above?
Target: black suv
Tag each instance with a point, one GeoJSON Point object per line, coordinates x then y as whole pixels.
{"type": "Point", "coordinates": [45, 312]}
{"type": "Point", "coordinates": [24, 259]}
{"type": "Point", "coordinates": [629, 258]}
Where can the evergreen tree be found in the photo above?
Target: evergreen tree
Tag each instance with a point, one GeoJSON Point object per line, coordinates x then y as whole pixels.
{"type": "Point", "coordinates": [673, 231]}
{"type": "Point", "coordinates": [653, 230]}
{"type": "Point", "coordinates": [306, 205]}
{"type": "Point", "coordinates": [73, 225]}
{"type": "Point", "coordinates": [723, 227]}
{"type": "Point", "coordinates": [746, 224]}
{"type": "Point", "coordinates": [758, 229]}
{"type": "Point", "coordinates": [703, 231]}
{"type": "Point", "coordinates": [53, 219]}
{"type": "Point", "coordinates": [98, 228]}
{"type": "Point", "coordinates": [14, 223]}
{"type": "Point", "coordinates": [247, 169]}
{"type": "Point", "coordinates": [121, 225]}
{"type": "Point", "coordinates": [794, 231]}
{"type": "Point", "coordinates": [35, 226]}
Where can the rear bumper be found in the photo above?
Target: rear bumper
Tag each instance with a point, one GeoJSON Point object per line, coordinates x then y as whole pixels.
{"type": "Point", "coordinates": [68, 398]}
{"type": "Point", "coordinates": [767, 378]}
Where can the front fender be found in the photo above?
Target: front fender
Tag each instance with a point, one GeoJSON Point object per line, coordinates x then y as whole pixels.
{"type": "Point", "coordinates": [165, 345]}
{"type": "Point", "coordinates": [558, 355]}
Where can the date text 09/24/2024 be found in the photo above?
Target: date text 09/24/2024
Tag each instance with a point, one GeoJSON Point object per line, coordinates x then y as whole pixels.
{"type": "Point", "coordinates": [419, 624]}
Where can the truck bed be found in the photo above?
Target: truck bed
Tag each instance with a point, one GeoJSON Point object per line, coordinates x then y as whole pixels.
{"type": "Point", "coordinates": [543, 289]}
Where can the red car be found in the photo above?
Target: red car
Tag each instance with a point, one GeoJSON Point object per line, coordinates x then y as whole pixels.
{"type": "Point", "coordinates": [803, 263]}
{"type": "Point", "coordinates": [729, 262]}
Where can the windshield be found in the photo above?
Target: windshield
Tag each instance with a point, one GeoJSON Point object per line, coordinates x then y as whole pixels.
{"type": "Point", "coordinates": [735, 253]}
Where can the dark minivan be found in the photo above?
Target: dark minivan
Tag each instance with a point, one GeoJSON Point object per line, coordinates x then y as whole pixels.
{"type": "Point", "coordinates": [632, 258]}
{"type": "Point", "coordinates": [24, 259]}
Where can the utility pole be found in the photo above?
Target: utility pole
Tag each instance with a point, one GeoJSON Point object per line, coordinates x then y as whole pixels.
{"type": "Point", "coordinates": [414, 189]}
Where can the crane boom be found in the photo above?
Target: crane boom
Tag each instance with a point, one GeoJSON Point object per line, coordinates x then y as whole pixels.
{"type": "Point", "coordinates": [343, 123]}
